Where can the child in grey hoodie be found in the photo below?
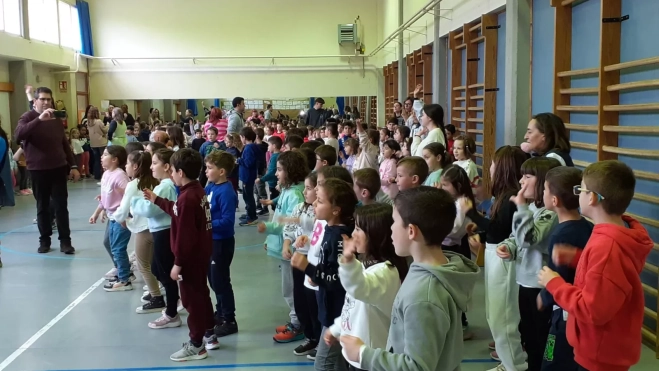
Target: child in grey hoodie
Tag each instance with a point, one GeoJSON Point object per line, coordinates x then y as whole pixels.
{"type": "Point", "coordinates": [426, 327]}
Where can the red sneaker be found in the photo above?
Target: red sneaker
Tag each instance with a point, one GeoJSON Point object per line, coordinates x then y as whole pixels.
{"type": "Point", "coordinates": [283, 328]}
{"type": "Point", "coordinates": [288, 336]}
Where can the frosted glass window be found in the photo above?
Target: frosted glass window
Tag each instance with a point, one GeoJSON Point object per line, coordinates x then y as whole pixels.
{"type": "Point", "coordinates": [10, 16]}
{"type": "Point", "coordinates": [69, 26]}
{"type": "Point", "coordinates": [43, 20]}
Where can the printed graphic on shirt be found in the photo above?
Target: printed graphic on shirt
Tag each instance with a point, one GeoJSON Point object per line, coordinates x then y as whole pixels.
{"type": "Point", "coordinates": [345, 313]}
{"type": "Point", "coordinates": [207, 210]}
{"type": "Point", "coordinates": [317, 231]}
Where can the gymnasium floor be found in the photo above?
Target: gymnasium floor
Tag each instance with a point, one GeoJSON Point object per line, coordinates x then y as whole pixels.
{"type": "Point", "coordinates": [54, 315]}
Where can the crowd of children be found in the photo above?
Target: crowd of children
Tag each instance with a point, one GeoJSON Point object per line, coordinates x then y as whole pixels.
{"type": "Point", "coordinates": [374, 231]}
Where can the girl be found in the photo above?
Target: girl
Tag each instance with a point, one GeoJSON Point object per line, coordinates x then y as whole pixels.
{"type": "Point", "coordinates": [117, 131]}
{"type": "Point", "coordinates": [388, 168]}
{"type": "Point", "coordinates": [528, 247]}
{"type": "Point", "coordinates": [369, 144]}
{"type": "Point", "coordinates": [231, 141]}
{"type": "Point", "coordinates": [546, 136]}
{"type": "Point", "coordinates": [86, 155]}
{"type": "Point", "coordinates": [292, 169]}
{"type": "Point", "coordinates": [454, 180]}
{"type": "Point", "coordinates": [401, 134]}
{"type": "Point", "coordinates": [351, 148]}
{"type": "Point", "coordinates": [499, 274]}
{"type": "Point", "coordinates": [138, 168]}
{"type": "Point", "coordinates": [405, 148]}
{"type": "Point", "coordinates": [372, 282]}
{"type": "Point", "coordinates": [78, 151]}
{"type": "Point", "coordinates": [301, 225]}
{"type": "Point", "coordinates": [432, 123]}
{"type": "Point", "coordinates": [437, 160]}
{"type": "Point", "coordinates": [464, 149]}
{"type": "Point", "coordinates": [177, 137]}
{"type": "Point", "coordinates": [113, 184]}
{"type": "Point", "coordinates": [19, 157]}
{"type": "Point", "coordinates": [98, 139]}
{"type": "Point", "coordinates": [159, 224]}
{"type": "Point", "coordinates": [335, 203]}
{"type": "Point", "coordinates": [450, 133]}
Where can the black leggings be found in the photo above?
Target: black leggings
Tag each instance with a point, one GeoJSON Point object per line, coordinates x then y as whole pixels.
{"type": "Point", "coordinates": [306, 307]}
{"type": "Point", "coordinates": [22, 172]}
{"type": "Point", "coordinates": [161, 267]}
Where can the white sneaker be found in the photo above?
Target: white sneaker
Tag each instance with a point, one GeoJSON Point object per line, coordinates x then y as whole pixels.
{"type": "Point", "coordinates": [498, 368]}
{"type": "Point", "coordinates": [112, 273]}
{"type": "Point", "coordinates": [166, 321]}
{"type": "Point", "coordinates": [189, 353]}
{"type": "Point", "coordinates": [118, 286]}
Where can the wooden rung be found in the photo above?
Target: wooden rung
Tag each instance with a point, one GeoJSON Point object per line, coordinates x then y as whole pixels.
{"type": "Point", "coordinates": [646, 198]}
{"type": "Point", "coordinates": [644, 220]}
{"type": "Point", "coordinates": [656, 246]}
{"type": "Point", "coordinates": [633, 107]}
{"type": "Point", "coordinates": [458, 119]}
{"type": "Point", "coordinates": [652, 268]}
{"type": "Point", "coordinates": [458, 36]}
{"type": "Point", "coordinates": [475, 119]}
{"type": "Point", "coordinates": [580, 163]}
{"type": "Point", "coordinates": [645, 175]}
{"type": "Point", "coordinates": [581, 145]}
{"type": "Point", "coordinates": [460, 88]}
{"type": "Point", "coordinates": [571, 2]}
{"type": "Point", "coordinates": [579, 127]}
{"type": "Point", "coordinates": [630, 64]}
{"type": "Point", "coordinates": [577, 108]}
{"type": "Point", "coordinates": [475, 108]}
{"type": "Point", "coordinates": [575, 91]}
{"type": "Point", "coordinates": [478, 39]}
{"type": "Point", "coordinates": [477, 97]}
{"type": "Point", "coordinates": [480, 144]}
{"type": "Point", "coordinates": [475, 28]}
{"type": "Point", "coordinates": [475, 131]}
{"type": "Point", "coordinates": [650, 313]}
{"type": "Point", "coordinates": [476, 86]}
{"type": "Point", "coordinates": [631, 152]}
{"type": "Point", "coordinates": [461, 46]}
{"type": "Point", "coordinates": [583, 72]}
{"type": "Point", "coordinates": [6, 87]}
{"type": "Point", "coordinates": [648, 334]}
{"type": "Point", "coordinates": [631, 129]}
{"type": "Point", "coordinates": [633, 85]}
{"type": "Point", "coordinates": [479, 155]}
{"type": "Point", "coordinates": [459, 108]}
{"type": "Point", "coordinates": [460, 128]}
{"type": "Point", "coordinates": [650, 290]}
{"type": "Point", "coordinates": [479, 166]}
{"type": "Point", "coordinates": [460, 98]}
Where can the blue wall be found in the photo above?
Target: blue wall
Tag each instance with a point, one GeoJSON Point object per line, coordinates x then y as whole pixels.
{"type": "Point", "coordinates": [500, 129]}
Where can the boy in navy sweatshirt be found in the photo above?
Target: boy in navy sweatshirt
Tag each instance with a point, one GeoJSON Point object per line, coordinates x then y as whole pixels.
{"type": "Point", "coordinates": [574, 231]}
{"type": "Point", "coordinates": [191, 235]}
{"type": "Point", "coordinates": [223, 201]}
{"type": "Point", "coordinates": [249, 166]}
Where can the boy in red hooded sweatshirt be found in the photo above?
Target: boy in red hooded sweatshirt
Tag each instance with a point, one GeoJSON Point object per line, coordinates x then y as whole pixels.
{"type": "Point", "coordinates": [604, 307]}
{"type": "Point", "coordinates": [192, 238]}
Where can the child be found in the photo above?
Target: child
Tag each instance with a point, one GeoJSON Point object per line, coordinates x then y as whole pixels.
{"type": "Point", "coordinates": [223, 201]}
{"type": "Point", "coordinates": [291, 172]}
{"type": "Point", "coordinates": [528, 246]}
{"type": "Point", "coordinates": [367, 186]}
{"type": "Point", "coordinates": [152, 147]}
{"type": "Point", "coordinates": [335, 203]}
{"type": "Point", "coordinates": [212, 143]}
{"type": "Point", "coordinates": [401, 134]}
{"type": "Point", "coordinates": [138, 169]}
{"type": "Point", "coordinates": [388, 168]}
{"type": "Point", "coordinates": [392, 124]}
{"type": "Point", "coordinates": [455, 181]}
{"type": "Point", "coordinates": [411, 172]}
{"type": "Point", "coordinates": [369, 144]}
{"type": "Point", "coordinates": [464, 148]}
{"type": "Point", "coordinates": [259, 188]}
{"type": "Point", "coordinates": [78, 151]}
{"type": "Point", "coordinates": [450, 133]}
{"type": "Point", "coordinates": [405, 148]}
{"type": "Point", "coordinates": [230, 147]}
{"type": "Point", "coordinates": [21, 164]}
{"type": "Point", "coordinates": [268, 133]}
{"type": "Point", "coordinates": [351, 147]}
{"type": "Point", "coordinates": [372, 282]}
{"type": "Point", "coordinates": [437, 159]}
{"type": "Point", "coordinates": [159, 224]}
{"type": "Point", "coordinates": [280, 131]}
{"type": "Point", "coordinates": [301, 224]}
{"type": "Point", "coordinates": [130, 136]}
{"type": "Point", "coordinates": [198, 140]}
{"type": "Point", "coordinates": [270, 177]}
{"type": "Point", "coordinates": [249, 166]}
{"type": "Point", "coordinates": [293, 142]}
{"type": "Point", "coordinates": [604, 335]}
{"type": "Point", "coordinates": [324, 156]}
{"type": "Point", "coordinates": [331, 135]}
{"type": "Point", "coordinates": [346, 134]}
{"type": "Point", "coordinates": [425, 322]}
{"type": "Point", "coordinates": [573, 230]}
{"type": "Point", "coordinates": [192, 239]}
{"type": "Point", "coordinates": [113, 184]}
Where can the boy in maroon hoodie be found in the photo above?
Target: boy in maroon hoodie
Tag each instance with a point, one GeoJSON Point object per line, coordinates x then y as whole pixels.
{"type": "Point", "coordinates": [192, 238]}
{"type": "Point", "coordinates": [604, 307]}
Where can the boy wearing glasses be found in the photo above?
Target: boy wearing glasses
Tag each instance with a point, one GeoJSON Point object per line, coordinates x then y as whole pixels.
{"type": "Point", "coordinates": [605, 304]}
{"type": "Point", "coordinates": [572, 232]}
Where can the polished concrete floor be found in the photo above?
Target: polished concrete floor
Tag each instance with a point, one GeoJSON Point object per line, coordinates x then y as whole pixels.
{"type": "Point", "coordinates": [53, 315]}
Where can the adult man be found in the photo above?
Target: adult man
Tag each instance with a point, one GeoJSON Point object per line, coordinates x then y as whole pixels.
{"type": "Point", "coordinates": [128, 118]}
{"type": "Point", "coordinates": [236, 121]}
{"type": "Point", "coordinates": [268, 112]}
{"type": "Point", "coordinates": [316, 114]}
{"type": "Point", "coordinates": [50, 161]}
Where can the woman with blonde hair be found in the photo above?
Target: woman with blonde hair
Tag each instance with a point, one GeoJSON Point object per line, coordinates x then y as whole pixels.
{"type": "Point", "coordinates": [98, 139]}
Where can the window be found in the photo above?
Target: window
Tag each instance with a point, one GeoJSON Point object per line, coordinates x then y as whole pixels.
{"type": "Point", "coordinates": [43, 20]}
{"type": "Point", "coordinates": [69, 26]}
{"type": "Point", "coordinates": [10, 16]}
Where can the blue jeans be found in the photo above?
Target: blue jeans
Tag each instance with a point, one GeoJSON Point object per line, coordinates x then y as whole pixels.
{"type": "Point", "coordinates": [248, 197]}
{"type": "Point", "coordinates": [119, 237]}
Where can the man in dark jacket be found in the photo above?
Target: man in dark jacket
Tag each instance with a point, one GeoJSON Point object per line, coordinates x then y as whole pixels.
{"type": "Point", "coordinates": [316, 115]}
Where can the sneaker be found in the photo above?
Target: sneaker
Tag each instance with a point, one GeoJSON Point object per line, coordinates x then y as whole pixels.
{"type": "Point", "coordinates": [43, 249]}
{"type": "Point", "coordinates": [248, 223]}
{"type": "Point", "coordinates": [155, 304]}
{"type": "Point", "coordinates": [495, 356]}
{"type": "Point", "coordinates": [226, 328]}
{"type": "Point", "coordinates": [305, 348]}
{"type": "Point", "coordinates": [289, 336]}
{"type": "Point", "coordinates": [24, 192]}
{"type": "Point", "coordinates": [283, 328]}
{"type": "Point", "coordinates": [498, 368]}
{"type": "Point", "coordinates": [165, 321]}
{"type": "Point", "coordinates": [118, 286]}
{"type": "Point", "coordinates": [189, 353]}
{"type": "Point", "coordinates": [146, 297]}
{"type": "Point", "coordinates": [111, 274]}
{"type": "Point", "coordinates": [243, 217]}
{"type": "Point", "coordinates": [211, 342]}
{"type": "Point", "coordinates": [67, 249]}
{"type": "Point", "coordinates": [131, 278]}
{"type": "Point", "coordinates": [263, 213]}
{"type": "Point", "coordinates": [492, 346]}
{"type": "Point", "coordinates": [312, 355]}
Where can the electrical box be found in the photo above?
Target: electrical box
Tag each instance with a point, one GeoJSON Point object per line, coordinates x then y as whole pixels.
{"type": "Point", "coordinates": [348, 34]}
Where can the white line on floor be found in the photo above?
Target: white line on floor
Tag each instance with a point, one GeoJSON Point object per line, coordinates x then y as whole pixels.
{"type": "Point", "coordinates": [12, 357]}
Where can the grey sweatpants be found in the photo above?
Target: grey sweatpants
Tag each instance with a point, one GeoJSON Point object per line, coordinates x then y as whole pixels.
{"type": "Point", "coordinates": [287, 290]}
{"type": "Point", "coordinates": [329, 358]}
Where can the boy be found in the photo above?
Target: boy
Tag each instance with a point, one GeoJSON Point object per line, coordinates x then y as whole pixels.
{"type": "Point", "coordinates": [212, 143]}
{"type": "Point", "coordinates": [572, 230]}
{"type": "Point", "coordinates": [280, 131]}
{"type": "Point", "coordinates": [293, 142]}
{"type": "Point", "coordinates": [426, 325]}
{"type": "Point", "coordinates": [270, 177]}
{"type": "Point", "coordinates": [368, 188]}
{"type": "Point", "coordinates": [191, 236]}
{"type": "Point", "coordinates": [411, 172]}
{"type": "Point", "coordinates": [259, 188]}
{"type": "Point", "coordinates": [331, 135]}
{"type": "Point", "coordinates": [346, 134]}
{"type": "Point", "coordinates": [249, 166]}
{"type": "Point", "coordinates": [604, 334]}
{"type": "Point", "coordinates": [223, 201]}
{"type": "Point", "coordinates": [325, 156]}
{"type": "Point", "coordinates": [198, 141]}
{"type": "Point", "coordinates": [130, 136]}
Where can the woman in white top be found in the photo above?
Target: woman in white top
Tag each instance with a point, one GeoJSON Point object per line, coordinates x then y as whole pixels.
{"type": "Point", "coordinates": [432, 123]}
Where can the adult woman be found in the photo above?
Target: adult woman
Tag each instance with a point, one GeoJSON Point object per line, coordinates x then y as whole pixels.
{"type": "Point", "coordinates": [83, 122]}
{"type": "Point", "coordinates": [432, 121]}
{"type": "Point", "coordinates": [215, 120]}
{"type": "Point", "coordinates": [107, 118]}
{"type": "Point", "coordinates": [546, 136]}
{"type": "Point", "coordinates": [117, 131]}
{"type": "Point", "coordinates": [355, 113]}
{"type": "Point", "coordinates": [98, 139]}
{"type": "Point", "coordinates": [154, 116]}
{"type": "Point", "coordinates": [348, 113]}
{"type": "Point", "coordinates": [6, 183]}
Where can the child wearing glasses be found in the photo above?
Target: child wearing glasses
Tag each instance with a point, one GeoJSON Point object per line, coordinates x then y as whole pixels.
{"type": "Point", "coordinates": [605, 303]}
